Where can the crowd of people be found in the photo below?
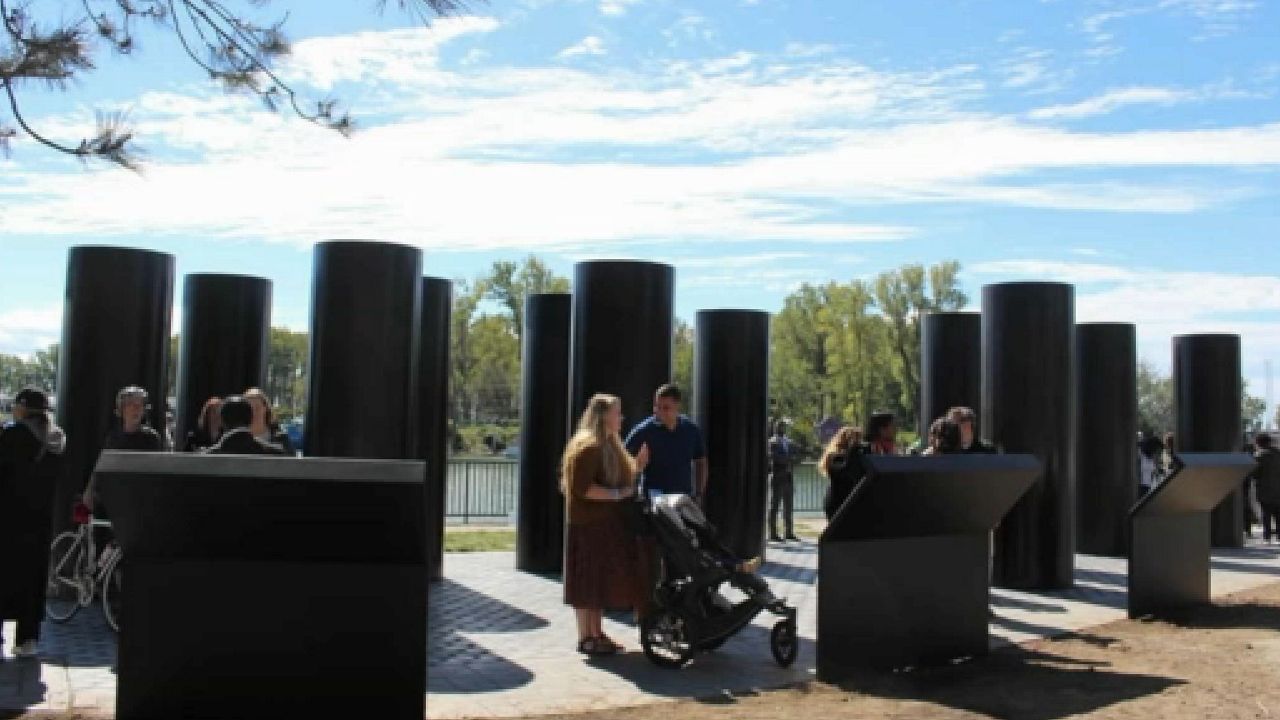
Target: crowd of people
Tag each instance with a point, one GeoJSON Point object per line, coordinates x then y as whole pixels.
{"type": "Point", "coordinates": [31, 447]}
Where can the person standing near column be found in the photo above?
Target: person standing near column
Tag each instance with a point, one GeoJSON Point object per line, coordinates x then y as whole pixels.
{"type": "Point", "coordinates": [30, 448]}
{"type": "Point", "coordinates": [677, 454]}
{"type": "Point", "coordinates": [782, 485]}
{"type": "Point", "coordinates": [1266, 476]}
{"type": "Point", "coordinates": [970, 443]}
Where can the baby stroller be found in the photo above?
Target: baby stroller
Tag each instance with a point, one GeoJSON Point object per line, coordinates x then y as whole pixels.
{"type": "Point", "coordinates": [689, 613]}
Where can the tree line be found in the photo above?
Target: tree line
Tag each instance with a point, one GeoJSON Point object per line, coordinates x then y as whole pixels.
{"type": "Point", "coordinates": [838, 350]}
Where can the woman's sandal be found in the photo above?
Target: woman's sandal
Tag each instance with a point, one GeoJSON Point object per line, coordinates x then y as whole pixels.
{"type": "Point", "coordinates": [608, 645]}
{"type": "Point", "coordinates": [593, 646]}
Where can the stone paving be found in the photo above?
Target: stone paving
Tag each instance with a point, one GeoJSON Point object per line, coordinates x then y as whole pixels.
{"type": "Point", "coordinates": [501, 642]}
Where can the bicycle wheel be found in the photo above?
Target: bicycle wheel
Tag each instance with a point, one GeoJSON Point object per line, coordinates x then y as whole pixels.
{"type": "Point", "coordinates": [111, 595]}
{"type": "Point", "coordinates": [66, 588]}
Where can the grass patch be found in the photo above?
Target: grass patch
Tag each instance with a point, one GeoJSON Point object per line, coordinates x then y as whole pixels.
{"type": "Point", "coordinates": [459, 540]}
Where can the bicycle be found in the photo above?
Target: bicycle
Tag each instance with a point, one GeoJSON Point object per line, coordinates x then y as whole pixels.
{"type": "Point", "coordinates": [77, 572]}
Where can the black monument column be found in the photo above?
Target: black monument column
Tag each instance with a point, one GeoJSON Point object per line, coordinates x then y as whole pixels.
{"type": "Point", "coordinates": [1207, 395]}
{"type": "Point", "coordinates": [950, 365]}
{"type": "Point", "coordinates": [226, 331]}
{"type": "Point", "coordinates": [115, 332]}
{"type": "Point", "coordinates": [622, 322]}
{"type": "Point", "coordinates": [365, 313]}
{"type": "Point", "coordinates": [1028, 406]}
{"type": "Point", "coordinates": [731, 406]}
{"type": "Point", "coordinates": [544, 427]}
{"type": "Point", "coordinates": [1106, 435]}
{"type": "Point", "coordinates": [432, 434]}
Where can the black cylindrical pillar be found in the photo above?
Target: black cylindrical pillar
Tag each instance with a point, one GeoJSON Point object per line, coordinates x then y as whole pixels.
{"type": "Point", "coordinates": [731, 407]}
{"type": "Point", "coordinates": [622, 323]}
{"type": "Point", "coordinates": [115, 332]}
{"type": "Point", "coordinates": [544, 427]}
{"type": "Point", "coordinates": [432, 436]}
{"type": "Point", "coordinates": [1207, 394]}
{"type": "Point", "coordinates": [950, 365]}
{"type": "Point", "coordinates": [1106, 435]}
{"type": "Point", "coordinates": [365, 312]}
{"type": "Point", "coordinates": [226, 332]}
{"type": "Point", "coordinates": [1028, 406]}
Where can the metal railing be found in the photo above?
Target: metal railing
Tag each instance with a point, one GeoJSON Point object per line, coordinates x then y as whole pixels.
{"type": "Point", "coordinates": [487, 489]}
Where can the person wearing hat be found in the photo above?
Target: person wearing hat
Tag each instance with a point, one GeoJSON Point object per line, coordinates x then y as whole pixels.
{"type": "Point", "coordinates": [237, 437]}
{"type": "Point", "coordinates": [30, 449]}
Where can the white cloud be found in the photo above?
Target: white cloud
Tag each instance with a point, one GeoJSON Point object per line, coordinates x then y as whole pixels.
{"type": "Point", "coordinates": [589, 45]}
{"type": "Point", "coordinates": [615, 8]}
{"type": "Point", "coordinates": [738, 148]}
{"type": "Point", "coordinates": [1117, 98]}
{"type": "Point", "coordinates": [1111, 100]}
{"type": "Point", "coordinates": [23, 330]}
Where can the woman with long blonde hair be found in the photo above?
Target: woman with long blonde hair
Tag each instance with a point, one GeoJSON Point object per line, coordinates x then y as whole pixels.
{"type": "Point", "coordinates": [841, 463]}
{"type": "Point", "coordinates": [601, 562]}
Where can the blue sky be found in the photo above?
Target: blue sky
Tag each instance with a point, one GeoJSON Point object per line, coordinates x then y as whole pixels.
{"type": "Point", "coordinates": [1132, 148]}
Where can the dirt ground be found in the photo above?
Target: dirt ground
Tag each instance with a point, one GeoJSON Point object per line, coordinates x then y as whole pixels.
{"type": "Point", "coordinates": [1217, 662]}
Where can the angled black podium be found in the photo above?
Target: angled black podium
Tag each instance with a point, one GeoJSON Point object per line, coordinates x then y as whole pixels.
{"type": "Point", "coordinates": [1170, 532]}
{"type": "Point", "coordinates": [262, 587]}
{"type": "Point", "coordinates": [903, 568]}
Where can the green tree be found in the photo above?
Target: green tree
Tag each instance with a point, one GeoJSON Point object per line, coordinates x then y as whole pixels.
{"type": "Point", "coordinates": [1155, 400]}
{"type": "Point", "coordinates": [1253, 410]}
{"type": "Point", "coordinates": [494, 382]}
{"type": "Point", "coordinates": [466, 299]}
{"type": "Point", "coordinates": [904, 295]}
{"type": "Point", "coordinates": [682, 337]}
{"type": "Point", "coordinates": [53, 44]}
{"type": "Point", "coordinates": [288, 354]}
{"type": "Point", "coordinates": [508, 284]}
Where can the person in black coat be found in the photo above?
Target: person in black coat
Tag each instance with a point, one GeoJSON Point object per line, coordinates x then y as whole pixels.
{"type": "Point", "coordinates": [238, 437]}
{"type": "Point", "coordinates": [30, 452]}
{"type": "Point", "coordinates": [841, 463]}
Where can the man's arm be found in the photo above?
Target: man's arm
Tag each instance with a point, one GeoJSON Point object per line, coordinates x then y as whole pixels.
{"type": "Point", "coordinates": [701, 472]}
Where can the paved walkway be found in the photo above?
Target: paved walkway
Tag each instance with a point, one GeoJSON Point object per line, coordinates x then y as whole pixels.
{"type": "Point", "coordinates": [501, 642]}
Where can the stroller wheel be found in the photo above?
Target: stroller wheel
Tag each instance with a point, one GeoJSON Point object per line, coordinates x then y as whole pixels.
{"type": "Point", "coordinates": [784, 642]}
{"type": "Point", "coordinates": [663, 638]}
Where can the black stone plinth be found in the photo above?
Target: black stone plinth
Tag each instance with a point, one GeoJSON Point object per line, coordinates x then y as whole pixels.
{"type": "Point", "coordinates": [731, 407]}
{"type": "Point", "coordinates": [622, 324]}
{"type": "Point", "coordinates": [950, 364]}
{"type": "Point", "coordinates": [432, 436]}
{"type": "Point", "coordinates": [1207, 394]}
{"type": "Point", "coordinates": [1169, 557]}
{"type": "Point", "coordinates": [904, 563]}
{"type": "Point", "coordinates": [256, 589]}
{"type": "Point", "coordinates": [1106, 428]}
{"type": "Point", "coordinates": [544, 429]}
{"type": "Point", "coordinates": [1028, 406]}
{"type": "Point", "coordinates": [365, 315]}
{"type": "Point", "coordinates": [115, 332]}
{"type": "Point", "coordinates": [226, 334]}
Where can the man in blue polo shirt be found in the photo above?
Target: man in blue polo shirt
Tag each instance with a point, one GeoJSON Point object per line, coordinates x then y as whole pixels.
{"type": "Point", "coordinates": [677, 455]}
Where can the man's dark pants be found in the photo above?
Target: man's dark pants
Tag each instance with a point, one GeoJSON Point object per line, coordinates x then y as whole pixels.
{"type": "Point", "coordinates": [782, 491]}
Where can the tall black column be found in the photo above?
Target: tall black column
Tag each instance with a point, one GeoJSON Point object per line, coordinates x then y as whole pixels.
{"type": "Point", "coordinates": [544, 428]}
{"type": "Point", "coordinates": [1028, 406]}
{"type": "Point", "coordinates": [365, 312]}
{"type": "Point", "coordinates": [731, 406]}
{"type": "Point", "coordinates": [1106, 435]}
{"type": "Point", "coordinates": [950, 365]}
{"type": "Point", "coordinates": [622, 323]}
{"type": "Point", "coordinates": [115, 332]}
{"type": "Point", "coordinates": [1207, 394]}
{"type": "Point", "coordinates": [226, 333]}
{"type": "Point", "coordinates": [431, 439]}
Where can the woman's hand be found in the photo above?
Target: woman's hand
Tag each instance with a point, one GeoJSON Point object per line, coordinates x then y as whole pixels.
{"type": "Point", "coordinates": [642, 458]}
